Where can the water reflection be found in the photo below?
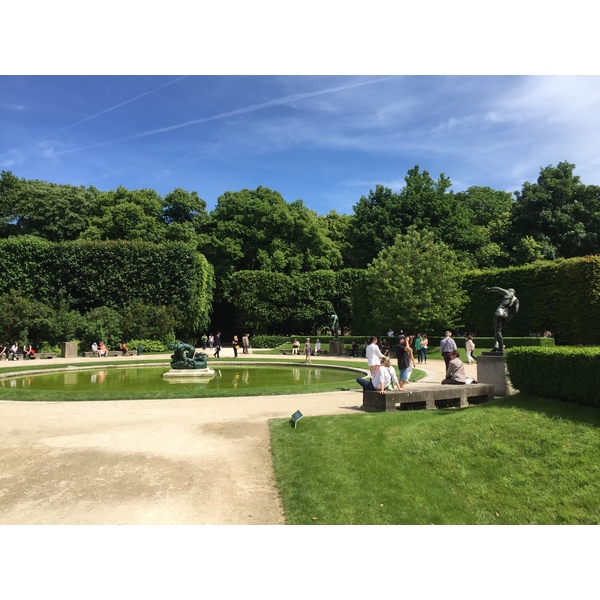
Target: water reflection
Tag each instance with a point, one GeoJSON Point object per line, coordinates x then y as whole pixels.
{"type": "Point", "coordinates": [151, 378]}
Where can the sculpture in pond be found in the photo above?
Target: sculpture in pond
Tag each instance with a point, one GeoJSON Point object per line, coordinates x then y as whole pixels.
{"type": "Point", "coordinates": [509, 306]}
{"type": "Point", "coordinates": [185, 357]}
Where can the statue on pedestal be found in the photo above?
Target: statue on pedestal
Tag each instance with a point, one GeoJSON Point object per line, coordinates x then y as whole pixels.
{"type": "Point", "coordinates": [185, 357]}
{"type": "Point", "coordinates": [335, 326]}
{"type": "Point", "coordinates": [509, 306]}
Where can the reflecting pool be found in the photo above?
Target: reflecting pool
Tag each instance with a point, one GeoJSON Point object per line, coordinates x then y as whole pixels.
{"type": "Point", "coordinates": [150, 379]}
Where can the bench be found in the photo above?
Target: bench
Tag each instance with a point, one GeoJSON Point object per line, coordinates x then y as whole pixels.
{"type": "Point", "coordinates": [45, 355]}
{"type": "Point", "coordinates": [110, 353]}
{"type": "Point", "coordinates": [428, 396]}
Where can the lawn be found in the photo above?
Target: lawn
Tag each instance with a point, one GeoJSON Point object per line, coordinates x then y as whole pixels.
{"type": "Point", "coordinates": [516, 460]}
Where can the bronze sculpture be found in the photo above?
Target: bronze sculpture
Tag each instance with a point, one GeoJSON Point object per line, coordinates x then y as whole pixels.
{"type": "Point", "coordinates": [335, 325]}
{"type": "Point", "coordinates": [508, 307]}
{"type": "Point", "coordinates": [185, 357]}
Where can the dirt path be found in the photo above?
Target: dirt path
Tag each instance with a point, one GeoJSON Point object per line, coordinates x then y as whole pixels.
{"type": "Point", "coordinates": [193, 461]}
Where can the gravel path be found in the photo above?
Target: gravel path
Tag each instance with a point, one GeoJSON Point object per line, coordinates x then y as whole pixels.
{"type": "Point", "coordinates": [192, 461]}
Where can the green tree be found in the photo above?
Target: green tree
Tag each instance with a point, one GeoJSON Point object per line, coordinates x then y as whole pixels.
{"type": "Point", "coordinates": [53, 212]}
{"type": "Point", "coordinates": [559, 212]}
{"type": "Point", "coordinates": [415, 284]}
{"type": "Point", "coordinates": [127, 215]}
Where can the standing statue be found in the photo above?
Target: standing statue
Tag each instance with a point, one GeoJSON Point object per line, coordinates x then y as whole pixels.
{"type": "Point", "coordinates": [335, 326]}
{"type": "Point", "coordinates": [509, 306]}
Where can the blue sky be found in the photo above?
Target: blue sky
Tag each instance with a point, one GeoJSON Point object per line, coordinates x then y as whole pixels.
{"type": "Point", "coordinates": [326, 140]}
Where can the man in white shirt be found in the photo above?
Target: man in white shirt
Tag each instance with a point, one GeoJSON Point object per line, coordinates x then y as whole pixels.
{"type": "Point", "coordinates": [374, 355]}
{"type": "Point", "coordinates": [385, 375]}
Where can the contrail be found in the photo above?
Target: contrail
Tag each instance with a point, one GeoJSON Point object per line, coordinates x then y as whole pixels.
{"type": "Point", "coordinates": [103, 112]}
{"type": "Point", "coordinates": [239, 111]}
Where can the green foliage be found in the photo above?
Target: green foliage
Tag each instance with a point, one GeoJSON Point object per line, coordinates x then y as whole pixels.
{"type": "Point", "coordinates": [102, 324]}
{"type": "Point", "coordinates": [111, 274]}
{"type": "Point", "coordinates": [415, 284]}
{"type": "Point", "coordinates": [22, 319]}
{"type": "Point", "coordinates": [559, 213]}
{"type": "Point", "coordinates": [518, 460]}
{"type": "Point", "coordinates": [561, 296]}
{"type": "Point", "coordinates": [567, 373]}
{"type": "Point", "coordinates": [268, 341]}
{"type": "Point", "coordinates": [269, 302]}
{"type": "Point", "coordinates": [149, 345]}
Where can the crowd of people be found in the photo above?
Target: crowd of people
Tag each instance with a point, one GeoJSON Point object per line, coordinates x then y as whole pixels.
{"type": "Point", "coordinates": [382, 375]}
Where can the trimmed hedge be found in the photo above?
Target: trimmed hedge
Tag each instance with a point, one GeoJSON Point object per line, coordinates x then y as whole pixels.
{"type": "Point", "coordinates": [561, 296]}
{"type": "Point", "coordinates": [92, 274]}
{"type": "Point", "coordinates": [566, 373]}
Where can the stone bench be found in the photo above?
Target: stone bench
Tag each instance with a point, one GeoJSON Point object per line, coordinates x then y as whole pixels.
{"type": "Point", "coordinates": [428, 396]}
{"type": "Point", "coordinates": [45, 354]}
{"type": "Point", "coordinates": [109, 353]}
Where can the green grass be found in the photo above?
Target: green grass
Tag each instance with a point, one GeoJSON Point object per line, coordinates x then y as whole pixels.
{"type": "Point", "coordinates": [516, 460]}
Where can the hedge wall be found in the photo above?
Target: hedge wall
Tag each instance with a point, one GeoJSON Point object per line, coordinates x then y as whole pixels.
{"type": "Point", "coordinates": [567, 373]}
{"type": "Point", "coordinates": [90, 274]}
{"type": "Point", "coordinates": [561, 296]}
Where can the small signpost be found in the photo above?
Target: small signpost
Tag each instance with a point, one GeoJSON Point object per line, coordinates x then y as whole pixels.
{"type": "Point", "coordinates": [295, 418]}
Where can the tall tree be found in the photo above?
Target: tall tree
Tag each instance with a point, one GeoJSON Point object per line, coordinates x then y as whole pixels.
{"type": "Point", "coordinates": [53, 212]}
{"type": "Point", "coordinates": [414, 285]}
{"type": "Point", "coordinates": [559, 212]}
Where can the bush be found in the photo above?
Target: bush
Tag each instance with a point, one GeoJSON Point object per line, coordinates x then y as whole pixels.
{"type": "Point", "coordinates": [150, 346]}
{"type": "Point", "coordinates": [566, 373]}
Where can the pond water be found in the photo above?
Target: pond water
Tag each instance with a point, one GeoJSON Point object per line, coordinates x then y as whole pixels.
{"type": "Point", "coordinates": [150, 379]}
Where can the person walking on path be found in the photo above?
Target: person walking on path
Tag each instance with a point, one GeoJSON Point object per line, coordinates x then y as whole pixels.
{"type": "Point", "coordinates": [447, 346]}
{"type": "Point", "coordinates": [217, 344]}
{"type": "Point", "coordinates": [307, 351]}
{"type": "Point", "coordinates": [470, 348]}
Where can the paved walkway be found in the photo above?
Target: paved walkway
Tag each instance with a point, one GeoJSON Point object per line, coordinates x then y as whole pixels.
{"type": "Point", "coordinates": [192, 461]}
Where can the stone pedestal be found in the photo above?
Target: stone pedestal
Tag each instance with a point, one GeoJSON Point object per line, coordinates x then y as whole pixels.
{"type": "Point", "coordinates": [69, 349]}
{"type": "Point", "coordinates": [336, 348]}
{"type": "Point", "coordinates": [491, 368]}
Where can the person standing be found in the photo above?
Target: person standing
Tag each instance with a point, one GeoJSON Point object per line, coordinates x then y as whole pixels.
{"type": "Point", "coordinates": [447, 346]}
{"type": "Point", "coordinates": [403, 355]}
{"type": "Point", "coordinates": [246, 343]}
{"type": "Point", "coordinates": [374, 355]}
{"type": "Point", "coordinates": [470, 348]}
{"type": "Point", "coordinates": [211, 341]}
{"type": "Point", "coordinates": [204, 339]}
{"type": "Point", "coordinates": [235, 344]}
{"type": "Point", "coordinates": [418, 347]}
{"type": "Point", "coordinates": [424, 345]}
{"type": "Point", "coordinates": [217, 344]}
{"type": "Point", "coordinates": [307, 351]}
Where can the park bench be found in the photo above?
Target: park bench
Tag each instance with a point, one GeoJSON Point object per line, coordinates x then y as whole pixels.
{"type": "Point", "coordinates": [45, 355]}
{"type": "Point", "coordinates": [110, 353]}
{"type": "Point", "coordinates": [428, 396]}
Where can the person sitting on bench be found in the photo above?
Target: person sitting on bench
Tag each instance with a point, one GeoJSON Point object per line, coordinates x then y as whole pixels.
{"type": "Point", "coordinates": [455, 373]}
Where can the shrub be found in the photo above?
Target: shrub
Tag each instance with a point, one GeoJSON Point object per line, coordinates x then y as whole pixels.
{"type": "Point", "coordinates": [567, 373]}
{"type": "Point", "coordinates": [150, 345]}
